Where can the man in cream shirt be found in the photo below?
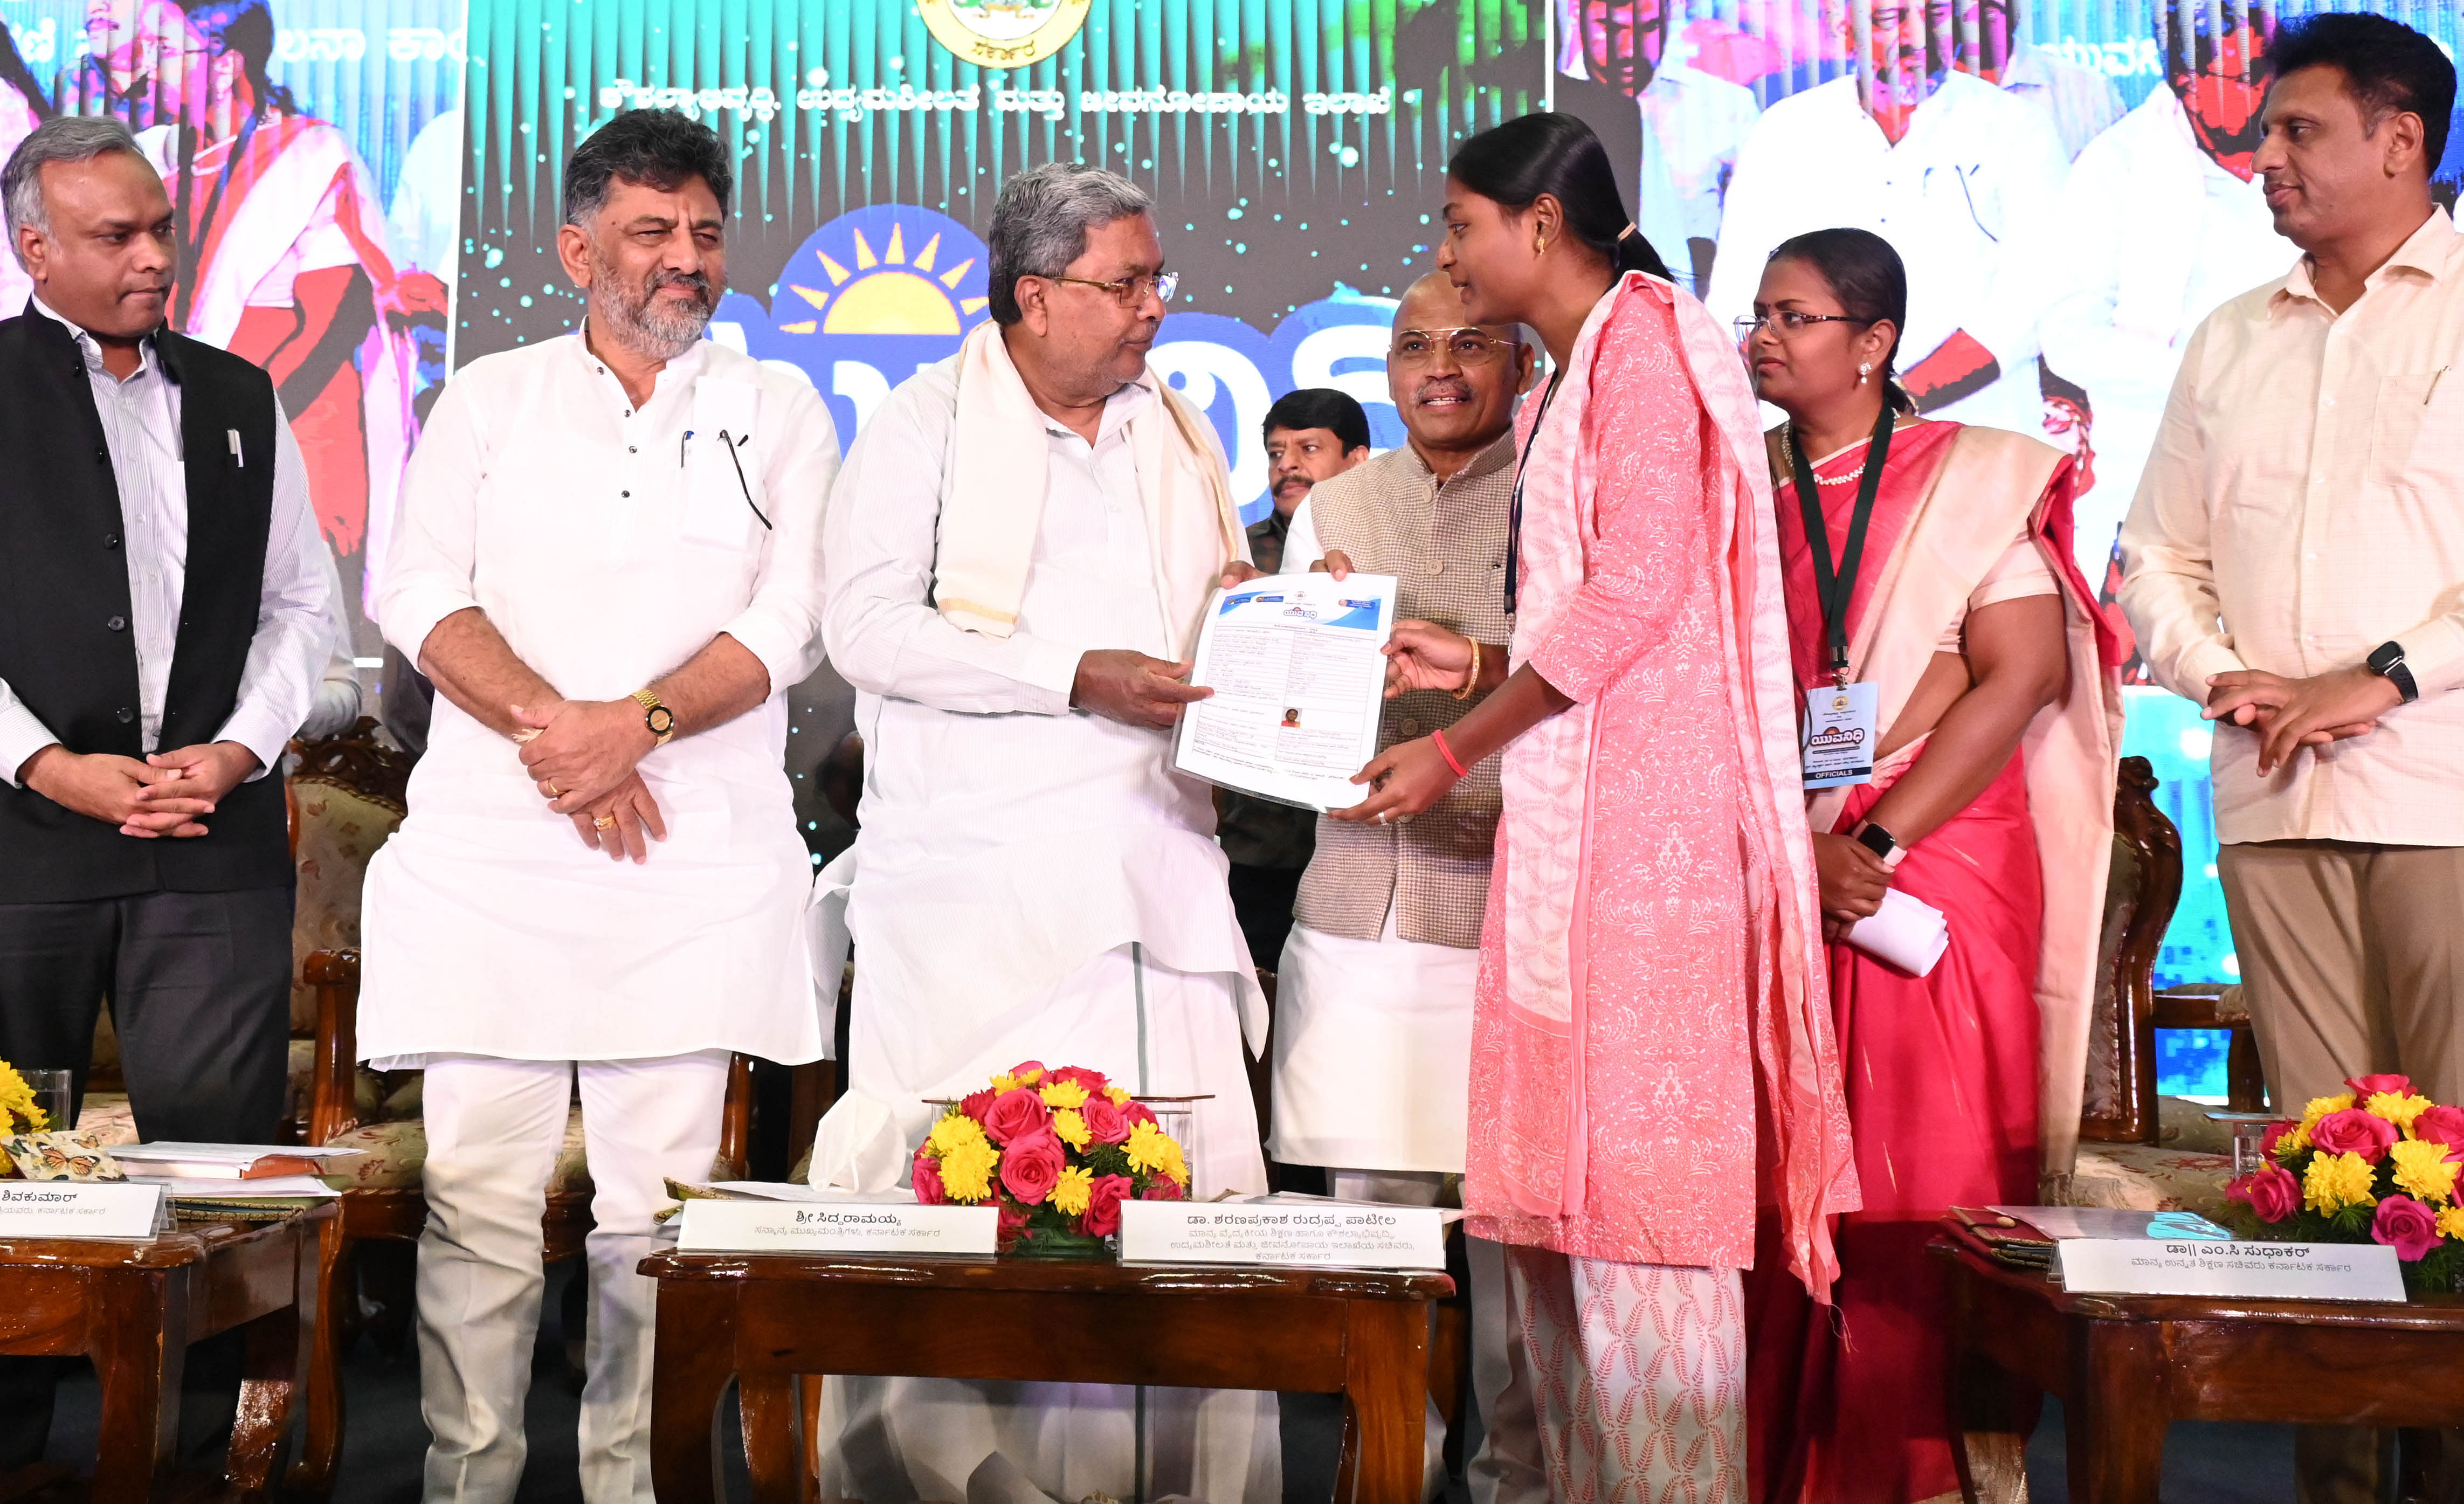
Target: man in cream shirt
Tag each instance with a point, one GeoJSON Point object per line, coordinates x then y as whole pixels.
{"type": "Point", "coordinates": [608, 562]}
{"type": "Point", "coordinates": [2295, 559]}
{"type": "Point", "coordinates": [1019, 554]}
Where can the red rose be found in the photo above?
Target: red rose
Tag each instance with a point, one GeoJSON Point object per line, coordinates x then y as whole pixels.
{"type": "Point", "coordinates": [928, 1181]}
{"type": "Point", "coordinates": [2274, 1131]}
{"type": "Point", "coordinates": [1019, 1069]}
{"type": "Point", "coordinates": [2365, 1087]}
{"type": "Point", "coordinates": [1106, 1123]}
{"type": "Point", "coordinates": [2406, 1226]}
{"type": "Point", "coordinates": [1136, 1113]}
{"type": "Point", "coordinates": [1104, 1204]}
{"type": "Point", "coordinates": [1031, 1166]}
{"type": "Point", "coordinates": [1094, 1081]}
{"type": "Point", "coordinates": [2441, 1124]}
{"type": "Point", "coordinates": [2354, 1131]}
{"type": "Point", "coordinates": [1016, 1113]}
{"type": "Point", "coordinates": [1011, 1221]}
{"type": "Point", "coordinates": [2270, 1190]}
{"type": "Point", "coordinates": [1160, 1188]}
{"type": "Point", "coordinates": [975, 1104]}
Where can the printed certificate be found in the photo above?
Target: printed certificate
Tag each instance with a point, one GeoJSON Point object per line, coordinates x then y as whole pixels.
{"type": "Point", "coordinates": [1299, 672]}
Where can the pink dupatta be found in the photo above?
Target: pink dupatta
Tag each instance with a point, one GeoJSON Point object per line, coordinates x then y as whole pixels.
{"type": "Point", "coordinates": [1549, 777]}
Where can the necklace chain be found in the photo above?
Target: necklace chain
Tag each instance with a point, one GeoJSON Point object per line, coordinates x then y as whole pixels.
{"type": "Point", "coordinates": [1788, 452]}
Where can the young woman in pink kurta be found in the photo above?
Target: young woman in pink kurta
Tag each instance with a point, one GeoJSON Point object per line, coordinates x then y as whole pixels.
{"type": "Point", "coordinates": [1652, 1052]}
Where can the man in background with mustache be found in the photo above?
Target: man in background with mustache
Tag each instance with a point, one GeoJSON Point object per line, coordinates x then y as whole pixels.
{"type": "Point", "coordinates": [1372, 1030]}
{"type": "Point", "coordinates": [610, 564]}
{"type": "Point", "coordinates": [164, 635]}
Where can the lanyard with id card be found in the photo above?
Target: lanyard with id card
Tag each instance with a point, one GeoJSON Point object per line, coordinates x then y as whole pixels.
{"type": "Point", "coordinates": [1838, 741]}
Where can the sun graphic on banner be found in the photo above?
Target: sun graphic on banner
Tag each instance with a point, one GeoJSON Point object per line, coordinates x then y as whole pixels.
{"type": "Point", "coordinates": [884, 292]}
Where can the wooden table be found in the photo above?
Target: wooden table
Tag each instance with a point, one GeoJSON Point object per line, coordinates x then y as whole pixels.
{"type": "Point", "coordinates": [767, 1318]}
{"type": "Point", "coordinates": [2127, 1366]}
{"type": "Point", "coordinates": [133, 1306]}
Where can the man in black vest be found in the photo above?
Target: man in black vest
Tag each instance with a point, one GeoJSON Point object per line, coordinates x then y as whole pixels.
{"type": "Point", "coordinates": [162, 635]}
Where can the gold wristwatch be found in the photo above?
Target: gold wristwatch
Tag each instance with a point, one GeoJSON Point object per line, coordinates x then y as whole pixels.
{"type": "Point", "coordinates": [661, 720]}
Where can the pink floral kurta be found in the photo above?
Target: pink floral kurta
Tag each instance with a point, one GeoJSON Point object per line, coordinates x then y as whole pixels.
{"type": "Point", "coordinates": [1645, 956]}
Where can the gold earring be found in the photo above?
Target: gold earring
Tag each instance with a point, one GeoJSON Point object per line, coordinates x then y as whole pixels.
{"type": "Point", "coordinates": [1539, 246]}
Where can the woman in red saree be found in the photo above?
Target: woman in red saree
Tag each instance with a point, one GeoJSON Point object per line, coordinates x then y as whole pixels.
{"type": "Point", "coordinates": [1649, 976]}
{"type": "Point", "coordinates": [1990, 800]}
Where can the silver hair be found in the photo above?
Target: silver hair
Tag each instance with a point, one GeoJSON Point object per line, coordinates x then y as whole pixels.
{"type": "Point", "coordinates": [1040, 222]}
{"type": "Point", "coordinates": [66, 138]}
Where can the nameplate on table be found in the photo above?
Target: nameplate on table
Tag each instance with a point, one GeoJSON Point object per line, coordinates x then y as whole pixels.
{"type": "Point", "coordinates": [787, 1227]}
{"type": "Point", "coordinates": [69, 1210]}
{"type": "Point", "coordinates": [2260, 1270]}
{"type": "Point", "coordinates": [1347, 1235]}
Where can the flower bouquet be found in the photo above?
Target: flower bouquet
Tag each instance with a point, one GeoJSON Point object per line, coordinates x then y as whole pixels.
{"type": "Point", "coordinates": [1057, 1150]}
{"type": "Point", "coordinates": [2374, 1163]}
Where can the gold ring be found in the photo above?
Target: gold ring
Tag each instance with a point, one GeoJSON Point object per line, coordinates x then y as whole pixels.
{"type": "Point", "coordinates": [554, 792]}
{"type": "Point", "coordinates": [604, 821]}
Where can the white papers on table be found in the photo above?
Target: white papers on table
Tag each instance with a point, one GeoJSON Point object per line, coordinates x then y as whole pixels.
{"type": "Point", "coordinates": [783, 1190]}
{"type": "Point", "coordinates": [215, 1158]}
{"type": "Point", "coordinates": [1299, 678]}
{"type": "Point", "coordinates": [269, 1188]}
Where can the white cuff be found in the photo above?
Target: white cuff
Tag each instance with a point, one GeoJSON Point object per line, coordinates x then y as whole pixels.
{"type": "Point", "coordinates": [22, 734]}
{"type": "Point", "coordinates": [250, 726]}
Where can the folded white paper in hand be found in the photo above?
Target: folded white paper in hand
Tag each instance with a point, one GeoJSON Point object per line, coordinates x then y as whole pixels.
{"type": "Point", "coordinates": [1909, 933]}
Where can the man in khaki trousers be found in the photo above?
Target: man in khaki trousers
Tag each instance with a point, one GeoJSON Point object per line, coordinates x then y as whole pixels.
{"type": "Point", "coordinates": [2295, 559]}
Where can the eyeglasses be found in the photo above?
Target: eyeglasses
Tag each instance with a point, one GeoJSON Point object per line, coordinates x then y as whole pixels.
{"type": "Point", "coordinates": [1467, 346]}
{"type": "Point", "coordinates": [1788, 321]}
{"type": "Point", "coordinates": [1132, 291]}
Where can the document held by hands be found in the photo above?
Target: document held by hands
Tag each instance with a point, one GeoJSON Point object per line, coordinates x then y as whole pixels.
{"type": "Point", "coordinates": [1299, 675]}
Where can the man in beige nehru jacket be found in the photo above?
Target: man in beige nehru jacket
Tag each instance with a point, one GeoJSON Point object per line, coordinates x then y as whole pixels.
{"type": "Point", "coordinates": [1373, 1028]}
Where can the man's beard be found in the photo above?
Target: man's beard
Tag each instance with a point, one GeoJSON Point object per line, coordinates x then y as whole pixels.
{"type": "Point", "coordinates": [655, 327]}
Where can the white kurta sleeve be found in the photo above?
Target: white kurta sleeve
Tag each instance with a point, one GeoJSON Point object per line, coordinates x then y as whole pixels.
{"type": "Point", "coordinates": [2169, 580]}
{"type": "Point", "coordinates": [1301, 548]}
{"type": "Point", "coordinates": [781, 625]}
{"type": "Point", "coordinates": [427, 575]}
{"type": "Point", "coordinates": [295, 609]}
{"type": "Point", "coordinates": [877, 552]}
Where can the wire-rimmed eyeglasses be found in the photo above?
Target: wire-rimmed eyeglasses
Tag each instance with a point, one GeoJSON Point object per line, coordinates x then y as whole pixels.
{"type": "Point", "coordinates": [1132, 291]}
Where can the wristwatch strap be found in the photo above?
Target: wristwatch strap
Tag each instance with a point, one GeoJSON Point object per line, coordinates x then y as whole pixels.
{"type": "Point", "coordinates": [1881, 843]}
{"type": "Point", "coordinates": [2387, 661]}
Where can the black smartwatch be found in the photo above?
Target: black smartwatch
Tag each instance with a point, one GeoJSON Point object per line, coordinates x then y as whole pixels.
{"type": "Point", "coordinates": [1879, 841]}
{"type": "Point", "coordinates": [2387, 663]}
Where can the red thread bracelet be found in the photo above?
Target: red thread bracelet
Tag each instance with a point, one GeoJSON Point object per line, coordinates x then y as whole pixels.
{"type": "Point", "coordinates": [1448, 753]}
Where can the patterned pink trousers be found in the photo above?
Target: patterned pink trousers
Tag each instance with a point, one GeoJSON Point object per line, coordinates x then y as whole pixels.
{"type": "Point", "coordinates": [1640, 1377]}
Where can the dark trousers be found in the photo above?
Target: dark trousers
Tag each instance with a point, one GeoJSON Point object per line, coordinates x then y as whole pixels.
{"type": "Point", "coordinates": [198, 987]}
{"type": "Point", "coordinates": [1261, 900]}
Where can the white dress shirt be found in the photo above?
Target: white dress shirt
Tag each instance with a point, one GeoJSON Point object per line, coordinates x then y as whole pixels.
{"type": "Point", "coordinates": [1693, 123]}
{"type": "Point", "coordinates": [286, 659]}
{"type": "Point", "coordinates": [1964, 197]}
{"type": "Point", "coordinates": [2154, 238]}
{"type": "Point", "coordinates": [2081, 104]}
{"type": "Point", "coordinates": [608, 545]}
{"type": "Point", "coordinates": [1009, 840]}
{"type": "Point", "coordinates": [2303, 504]}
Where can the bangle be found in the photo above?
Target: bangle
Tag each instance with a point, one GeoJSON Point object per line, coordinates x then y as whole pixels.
{"type": "Point", "coordinates": [1471, 683]}
{"type": "Point", "coordinates": [1448, 753]}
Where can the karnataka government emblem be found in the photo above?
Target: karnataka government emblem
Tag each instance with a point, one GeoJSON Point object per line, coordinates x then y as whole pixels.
{"type": "Point", "coordinates": [1004, 33]}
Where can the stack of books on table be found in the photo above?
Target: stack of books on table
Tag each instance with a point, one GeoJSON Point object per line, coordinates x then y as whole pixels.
{"type": "Point", "coordinates": [235, 1179]}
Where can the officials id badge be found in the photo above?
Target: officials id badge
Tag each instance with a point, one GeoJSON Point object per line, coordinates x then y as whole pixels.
{"type": "Point", "coordinates": [1838, 747]}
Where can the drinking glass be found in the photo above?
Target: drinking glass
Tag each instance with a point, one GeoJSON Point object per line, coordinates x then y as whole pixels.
{"type": "Point", "coordinates": [55, 1091]}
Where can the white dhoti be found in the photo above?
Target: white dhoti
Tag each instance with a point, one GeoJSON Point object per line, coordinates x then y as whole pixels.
{"type": "Point", "coordinates": [1160, 1032]}
{"type": "Point", "coordinates": [1372, 1052]}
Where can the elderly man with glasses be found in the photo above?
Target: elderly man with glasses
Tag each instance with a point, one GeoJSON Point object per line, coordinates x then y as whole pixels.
{"type": "Point", "coordinates": [1019, 554]}
{"type": "Point", "coordinates": [1373, 1038]}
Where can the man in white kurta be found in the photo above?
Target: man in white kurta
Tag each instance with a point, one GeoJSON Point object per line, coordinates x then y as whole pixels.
{"type": "Point", "coordinates": [609, 565]}
{"type": "Point", "coordinates": [1033, 881]}
{"type": "Point", "coordinates": [1966, 194]}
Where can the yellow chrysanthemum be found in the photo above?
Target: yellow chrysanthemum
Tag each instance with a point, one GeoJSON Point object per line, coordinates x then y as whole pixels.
{"type": "Point", "coordinates": [2291, 1141]}
{"type": "Point", "coordinates": [2321, 1106]}
{"type": "Point", "coordinates": [1065, 1093]}
{"type": "Point", "coordinates": [967, 1170]}
{"type": "Point", "coordinates": [954, 1130]}
{"type": "Point", "coordinates": [1150, 1148]}
{"type": "Point", "coordinates": [2399, 1110]}
{"type": "Point", "coordinates": [17, 1103]}
{"type": "Point", "coordinates": [1004, 1082]}
{"type": "Point", "coordinates": [2335, 1181]}
{"type": "Point", "coordinates": [1071, 1127]}
{"type": "Point", "coordinates": [2423, 1169]}
{"type": "Point", "coordinates": [2450, 1222]}
{"type": "Point", "coordinates": [1120, 1096]}
{"type": "Point", "coordinates": [1076, 1189]}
